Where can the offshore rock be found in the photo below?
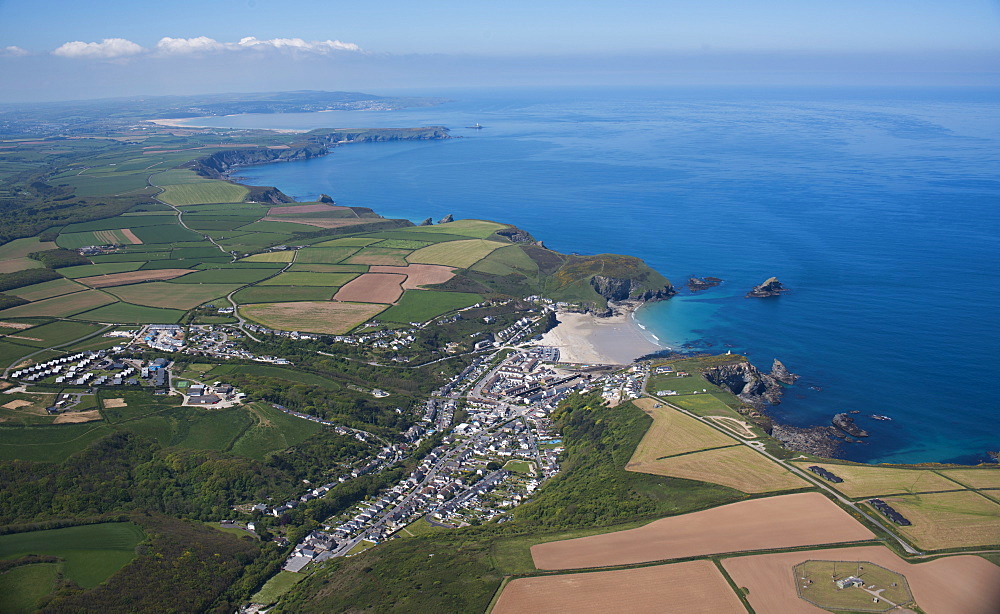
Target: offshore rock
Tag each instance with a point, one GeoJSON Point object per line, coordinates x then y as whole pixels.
{"type": "Point", "coordinates": [771, 287]}
{"type": "Point", "coordinates": [812, 440]}
{"type": "Point", "coordinates": [428, 222]}
{"type": "Point", "coordinates": [702, 283]}
{"type": "Point", "coordinates": [781, 373]}
{"type": "Point", "coordinates": [846, 423]}
{"type": "Point", "coordinates": [754, 388]}
{"type": "Point", "coordinates": [325, 198]}
{"type": "Point", "coordinates": [446, 219]}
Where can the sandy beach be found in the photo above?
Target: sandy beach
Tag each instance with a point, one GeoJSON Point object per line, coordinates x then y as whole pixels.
{"type": "Point", "coordinates": [182, 123]}
{"type": "Point", "coordinates": [585, 338]}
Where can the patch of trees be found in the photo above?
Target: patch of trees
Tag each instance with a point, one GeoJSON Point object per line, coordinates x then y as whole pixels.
{"type": "Point", "coordinates": [7, 301]}
{"type": "Point", "coordinates": [59, 258]}
{"type": "Point", "coordinates": [317, 458]}
{"type": "Point", "coordinates": [19, 279]}
{"type": "Point", "coordinates": [184, 567]}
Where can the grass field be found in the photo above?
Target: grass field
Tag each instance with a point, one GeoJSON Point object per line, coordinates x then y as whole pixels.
{"type": "Point", "coordinates": [873, 480]}
{"type": "Point", "coordinates": [348, 242]}
{"type": "Point", "coordinates": [170, 295]}
{"type": "Point", "coordinates": [816, 583]}
{"type": "Point", "coordinates": [276, 586]}
{"type": "Point", "coordinates": [459, 254]}
{"type": "Point", "coordinates": [274, 294]}
{"type": "Point", "coordinates": [948, 520]}
{"type": "Point", "coordinates": [270, 257]}
{"type": "Point", "coordinates": [422, 305]}
{"type": "Point", "coordinates": [23, 587]}
{"type": "Point", "coordinates": [61, 306]}
{"type": "Point", "coordinates": [272, 431]}
{"type": "Point", "coordinates": [330, 318]}
{"type": "Point", "coordinates": [326, 280]}
{"type": "Point", "coordinates": [328, 268]}
{"type": "Point", "coordinates": [670, 434]}
{"type": "Point", "coordinates": [226, 276]}
{"type": "Point", "coordinates": [14, 254]}
{"type": "Point", "coordinates": [704, 404]}
{"type": "Point", "coordinates": [56, 333]}
{"type": "Point", "coordinates": [506, 261]}
{"type": "Point", "coordinates": [47, 289]}
{"type": "Point", "coordinates": [48, 443]}
{"type": "Point", "coordinates": [376, 255]}
{"type": "Point", "coordinates": [291, 375]}
{"type": "Point", "coordinates": [403, 244]}
{"type": "Point", "coordinates": [213, 429]}
{"type": "Point", "coordinates": [11, 353]}
{"type": "Point", "coordinates": [125, 313]}
{"type": "Point", "coordinates": [91, 270]}
{"type": "Point", "coordinates": [133, 277]}
{"type": "Point", "coordinates": [738, 467]}
{"type": "Point", "coordinates": [986, 477]}
{"type": "Point", "coordinates": [202, 192]}
{"type": "Point", "coordinates": [92, 553]}
{"type": "Point", "coordinates": [467, 228]}
{"type": "Point", "coordinates": [165, 233]}
{"type": "Point", "coordinates": [324, 255]}
{"type": "Point", "coordinates": [520, 466]}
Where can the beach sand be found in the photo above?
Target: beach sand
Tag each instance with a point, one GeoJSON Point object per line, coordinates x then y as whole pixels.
{"type": "Point", "coordinates": [584, 338]}
{"type": "Point", "coordinates": [182, 123]}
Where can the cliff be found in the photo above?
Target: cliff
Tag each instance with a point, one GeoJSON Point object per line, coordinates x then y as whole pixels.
{"type": "Point", "coordinates": [747, 382]}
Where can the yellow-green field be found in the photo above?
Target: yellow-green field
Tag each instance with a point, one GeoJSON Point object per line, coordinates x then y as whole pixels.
{"type": "Point", "coordinates": [270, 257]}
{"type": "Point", "coordinates": [672, 433]}
{"type": "Point", "coordinates": [203, 193]}
{"type": "Point", "coordinates": [379, 255]}
{"type": "Point", "coordinates": [60, 306]}
{"type": "Point", "coordinates": [47, 289]}
{"type": "Point", "coordinates": [738, 467]}
{"type": "Point", "coordinates": [949, 520]}
{"type": "Point", "coordinates": [459, 254]}
{"type": "Point", "coordinates": [466, 228]}
{"type": "Point", "coordinates": [171, 296]}
{"type": "Point", "coordinates": [986, 477]}
{"type": "Point", "coordinates": [873, 480]}
{"type": "Point", "coordinates": [14, 255]}
{"type": "Point", "coordinates": [332, 318]}
{"type": "Point", "coordinates": [324, 255]}
{"type": "Point", "coordinates": [327, 280]}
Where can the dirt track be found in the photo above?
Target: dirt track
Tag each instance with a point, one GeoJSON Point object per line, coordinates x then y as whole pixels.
{"type": "Point", "coordinates": [776, 522]}
{"type": "Point", "coordinates": [963, 584]}
{"type": "Point", "coordinates": [692, 587]}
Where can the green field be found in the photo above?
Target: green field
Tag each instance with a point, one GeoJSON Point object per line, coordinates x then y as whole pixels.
{"type": "Point", "coordinates": [165, 233]}
{"type": "Point", "coordinates": [170, 295]}
{"type": "Point", "coordinates": [520, 466]}
{"type": "Point", "coordinates": [277, 586]}
{"type": "Point", "coordinates": [202, 192]}
{"type": "Point", "coordinates": [23, 587]}
{"type": "Point", "coordinates": [117, 223]}
{"type": "Point", "coordinates": [946, 520]}
{"type": "Point", "coordinates": [510, 260]}
{"type": "Point", "coordinates": [225, 276]}
{"type": "Point", "coordinates": [328, 280]}
{"type": "Point", "coordinates": [704, 404]}
{"type": "Point", "coordinates": [275, 294]}
{"type": "Point", "coordinates": [422, 305]}
{"type": "Point", "coordinates": [47, 289]}
{"type": "Point", "coordinates": [460, 254]}
{"type": "Point", "coordinates": [125, 313]}
{"type": "Point", "coordinates": [347, 242]}
{"type": "Point", "coordinates": [376, 255]}
{"type": "Point", "coordinates": [272, 431]}
{"type": "Point", "coordinates": [48, 443]}
{"type": "Point", "coordinates": [467, 228]}
{"type": "Point", "coordinates": [61, 306]}
{"type": "Point", "coordinates": [403, 244]}
{"type": "Point", "coordinates": [177, 176]}
{"type": "Point", "coordinates": [91, 553]}
{"type": "Point", "coordinates": [212, 266]}
{"type": "Point", "coordinates": [324, 255]}
{"type": "Point", "coordinates": [139, 256]}
{"type": "Point", "coordinates": [57, 333]}
{"type": "Point", "coordinates": [291, 375]}
{"type": "Point", "coordinates": [11, 353]}
{"type": "Point", "coordinates": [285, 256]}
{"type": "Point", "coordinates": [90, 270]}
{"type": "Point", "coordinates": [328, 268]}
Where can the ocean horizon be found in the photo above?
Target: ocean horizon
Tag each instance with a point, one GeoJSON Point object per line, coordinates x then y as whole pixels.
{"type": "Point", "coordinates": [876, 207]}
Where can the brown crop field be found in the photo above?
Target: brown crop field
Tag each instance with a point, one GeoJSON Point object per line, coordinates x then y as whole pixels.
{"type": "Point", "coordinates": [379, 255]}
{"type": "Point", "coordinates": [60, 306]}
{"type": "Point", "coordinates": [987, 477]}
{"type": "Point", "coordinates": [670, 434]}
{"type": "Point", "coordinates": [132, 277]}
{"type": "Point", "coordinates": [320, 222]}
{"type": "Point", "coordinates": [372, 288]}
{"type": "Point", "coordinates": [949, 519]}
{"type": "Point", "coordinates": [788, 521]}
{"type": "Point", "coordinates": [134, 240]}
{"type": "Point", "coordinates": [873, 480]}
{"type": "Point", "coordinates": [332, 318]}
{"type": "Point", "coordinates": [108, 403]}
{"type": "Point", "coordinates": [77, 417]}
{"type": "Point", "coordinates": [966, 584]}
{"type": "Point", "coordinates": [313, 208]}
{"type": "Point", "coordinates": [459, 254]}
{"type": "Point", "coordinates": [418, 275]}
{"type": "Point", "coordinates": [692, 587]}
{"type": "Point", "coordinates": [171, 296]}
{"type": "Point", "coordinates": [737, 466]}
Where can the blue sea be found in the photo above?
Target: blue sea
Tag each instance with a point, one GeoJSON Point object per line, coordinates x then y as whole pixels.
{"type": "Point", "coordinates": [878, 208]}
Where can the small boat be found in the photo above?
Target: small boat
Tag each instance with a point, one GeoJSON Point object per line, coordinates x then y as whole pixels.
{"type": "Point", "coordinates": [476, 127]}
{"type": "Point", "coordinates": [880, 417]}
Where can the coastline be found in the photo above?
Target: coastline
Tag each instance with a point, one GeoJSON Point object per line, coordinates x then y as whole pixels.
{"type": "Point", "coordinates": [177, 123]}
{"type": "Point", "coordinates": [584, 338]}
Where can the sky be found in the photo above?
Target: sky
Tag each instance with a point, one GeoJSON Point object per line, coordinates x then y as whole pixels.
{"type": "Point", "coordinates": [52, 50]}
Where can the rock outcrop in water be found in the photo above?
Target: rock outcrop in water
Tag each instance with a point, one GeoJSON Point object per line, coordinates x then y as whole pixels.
{"type": "Point", "coordinates": [446, 219]}
{"type": "Point", "coordinates": [811, 440]}
{"type": "Point", "coordinates": [696, 284]}
{"type": "Point", "coordinates": [781, 373]}
{"type": "Point", "coordinates": [846, 423]}
{"type": "Point", "coordinates": [771, 287]}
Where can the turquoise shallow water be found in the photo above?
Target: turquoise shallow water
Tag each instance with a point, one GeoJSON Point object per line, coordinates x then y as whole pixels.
{"type": "Point", "coordinates": [878, 208]}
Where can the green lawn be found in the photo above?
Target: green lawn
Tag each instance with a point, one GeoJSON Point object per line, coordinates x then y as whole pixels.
{"type": "Point", "coordinates": [422, 305]}
{"type": "Point", "coordinates": [277, 586]}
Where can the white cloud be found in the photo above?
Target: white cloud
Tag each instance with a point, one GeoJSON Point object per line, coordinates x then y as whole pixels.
{"type": "Point", "coordinates": [108, 48]}
{"type": "Point", "coordinates": [12, 51]}
{"type": "Point", "coordinates": [168, 45]}
{"type": "Point", "coordinates": [296, 44]}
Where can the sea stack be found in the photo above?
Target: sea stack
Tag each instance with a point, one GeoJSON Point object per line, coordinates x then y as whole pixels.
{"type": "Point", "coordinates": [771, 287]}
{"type": "Point", "coordinates": [702, 283]}
{"type": "Point", "coordinates": [846, 424]}
{"type": "Point", "coordinates": [446, 219]}
{"type": "Point", "coordinates": [781, 373]}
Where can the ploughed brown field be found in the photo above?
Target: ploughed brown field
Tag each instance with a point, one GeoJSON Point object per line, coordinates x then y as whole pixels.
{"type": "Point", "coordinates": [78, 417]}
{"type": "Point", "coordinates": [688, 588]}
{"type": "Point", "coordinates": [132, 277]}
{"type": "Point", "coordinates": [372, 288]}
{"type": "Point", "coordinates": [787, 521]}
{"type": "Point", "coordinates": [331, 222]}
{"type": "Point", "coordinates": [418, 274]}
{"type": "Point", "coordinates": [295, 209]}
{"type": "Point", "coordinates": [967, 584]}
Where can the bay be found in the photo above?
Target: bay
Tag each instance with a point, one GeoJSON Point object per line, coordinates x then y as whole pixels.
{"type": "Point", "coordinates": [878, 208]}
